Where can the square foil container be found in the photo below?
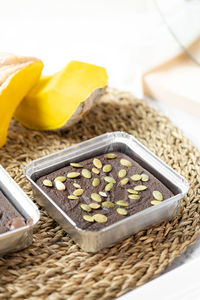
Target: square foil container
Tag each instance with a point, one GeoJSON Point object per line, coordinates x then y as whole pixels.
{"type": "Point", "coordinates": [92, 241]}
{"type": "Point", "coordinates": [19, 238]}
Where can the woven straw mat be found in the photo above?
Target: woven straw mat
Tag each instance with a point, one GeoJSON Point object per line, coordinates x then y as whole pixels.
{"type": "Point", "coordinates": [54, 267]}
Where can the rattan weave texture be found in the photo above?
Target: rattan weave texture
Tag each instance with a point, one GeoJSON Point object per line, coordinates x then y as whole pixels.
{"type": "Point", "coordinates": [54, 267]}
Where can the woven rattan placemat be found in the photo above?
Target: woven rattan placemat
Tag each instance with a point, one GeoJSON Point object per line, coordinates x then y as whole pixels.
{"type": "Point", "coordinates": [54, 267]}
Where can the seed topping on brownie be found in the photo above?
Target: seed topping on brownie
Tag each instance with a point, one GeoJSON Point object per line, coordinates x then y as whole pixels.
{"type": "Point", "coordinates": [112, 185]}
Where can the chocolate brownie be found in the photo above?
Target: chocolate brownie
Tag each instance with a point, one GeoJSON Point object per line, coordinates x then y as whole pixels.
{"type": "Point", "coordinates": [10, 219]}
{"type": "Point", "coordinates": [100, 191]}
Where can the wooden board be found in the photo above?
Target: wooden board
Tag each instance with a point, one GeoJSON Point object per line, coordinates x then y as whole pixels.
{"type": "Point", "coordinates": [176, 82]}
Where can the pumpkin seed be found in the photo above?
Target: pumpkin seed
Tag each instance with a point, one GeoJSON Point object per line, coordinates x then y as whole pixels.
{"type": "Point", "coordinates": [136, 177]}
{"type": "Point", "coordinates": [76, 185]}
{"type": "Point", "coordinates": [107, 168]}
{"type": "Point", "coordinates": [134, 197]}
{"type": "Point", "coordinates": [95, 171]}
{"type": "Point", "coordinates": [96, 197]}
{"type": "Point", "coordinates": [122, 173]}
{"type": "Point", "coordinates": [109, 179]}
{"type": "Point", "coordinates": [59, 185]}
{"type": "Point", "coordinates": [103, 194]}
{"type": "Point", "coordinates": [85, 207]}
{"type": "Point", "coordinates": [88, 218]}
{"type": "Point", "coordinates": [47, 182]}
{"type": "Point", "coordinates": [95, 182]}
{"type": "Point", "coordinates": [124, 181]}
{"type": "Point", "coordinates": [144, 177]}
{"type": "Point", "coordinates": [155, 202]}
{"type": "Point", "coordinates": [125, 162]}
{"type": "Point", "coordinates": [111, 155]}
{"type": "Point", "coordinates": [60, 178]}
{"type": "Point", "coordinates": [157, 195]}
{"type": "Point", "coordinates": [108, 187]}
{"type": "Point", "coordinates": [108, 204]}
{"type": "Point", "coordinates": [86, 173]}
{"type": "Point", "coordinates": [132, 191]}
{"type": "Point", "coordinates": [99, 218]}
{"type": "Point", "coordinates": [73, 197]}
{"type": "Point", "coordinates": [75, 165]}
{"type": "Point", "coordinates": [122, 211]}
{"type": "Point", "coordinates": [73, 174]}
{"type": "Point", "coordinates": [78, 192]}
{"type": "Point", "coordinates": [97, 163]}
{"type": "Point", "coordinates": [140, 187]}
{"type": "Point", "coordinates": [122, 203]}
{"type": "Point", "coordinates": [94, 205]}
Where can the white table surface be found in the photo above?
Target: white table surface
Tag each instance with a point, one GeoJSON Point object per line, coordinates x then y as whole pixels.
{"type": "Point", "coordinates": [105, 32]}
{"type": "Point", "coordinates": [181, 284]}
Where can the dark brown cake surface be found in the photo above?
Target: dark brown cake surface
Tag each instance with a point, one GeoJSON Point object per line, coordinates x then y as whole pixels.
{"type": "Point", "coordinates": [10, 219]}
{"type": "Point", "coordinates": [90, 218]}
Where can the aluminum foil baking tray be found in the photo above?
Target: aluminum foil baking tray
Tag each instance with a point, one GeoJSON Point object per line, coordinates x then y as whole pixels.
{"type": "Point", "coordinates": [22, 237]}
{"type": "Point", "coordinates": [93, 241]}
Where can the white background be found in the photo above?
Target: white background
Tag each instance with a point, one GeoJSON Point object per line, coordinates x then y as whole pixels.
{"type": "Point", "coordinates": [125, 36]}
